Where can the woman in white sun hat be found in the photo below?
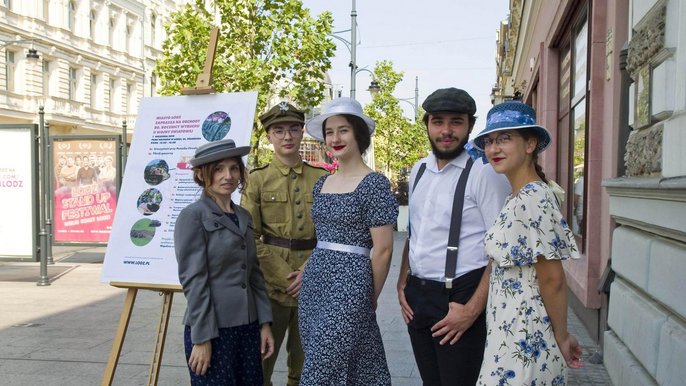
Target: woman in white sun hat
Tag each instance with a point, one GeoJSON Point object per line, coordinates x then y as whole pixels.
{"type": "Point", "coordinates": [353, 210]}
{"type": "Point", "coordinates": [527, 339]}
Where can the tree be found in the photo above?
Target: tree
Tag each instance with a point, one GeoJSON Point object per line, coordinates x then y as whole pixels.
{"type": "Point", "coordinates": [274, 47]}
{"type": "Point", "coordinates": [398, 142]}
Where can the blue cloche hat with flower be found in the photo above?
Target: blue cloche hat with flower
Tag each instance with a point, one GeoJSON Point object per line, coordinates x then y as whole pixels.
{"type": "Point", "coordinates": [513, 115]}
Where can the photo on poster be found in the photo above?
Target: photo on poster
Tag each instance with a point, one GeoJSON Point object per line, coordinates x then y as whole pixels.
{"type": "Point", "coordinates": [143, 231]}
{"type": "Point", "coordinates": [149, 201]}
{"type": "Point", "coordinates": [216, 126]}
{"type": "Point", "coordinates": [156, 172]}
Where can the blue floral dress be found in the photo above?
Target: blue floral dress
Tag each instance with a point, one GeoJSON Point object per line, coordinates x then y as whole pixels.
{"type": "Point", "coordinates": [338, 328]}
{"type": "Point", "coordinates": [520, 345]}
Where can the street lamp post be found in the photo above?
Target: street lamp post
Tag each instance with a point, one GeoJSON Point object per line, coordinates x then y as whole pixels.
{"type": "Point", "coordinates": [415, 105]}
{"type": "Point", "coordinates": [43, 234]}
{"type": "Point", "coordinates": [47, 188]}
{"type": "Point", "coordinates": [352, 47]}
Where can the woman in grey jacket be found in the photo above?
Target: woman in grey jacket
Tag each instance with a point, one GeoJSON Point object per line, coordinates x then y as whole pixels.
{"type": "Point", "coordinates": [227, 321]}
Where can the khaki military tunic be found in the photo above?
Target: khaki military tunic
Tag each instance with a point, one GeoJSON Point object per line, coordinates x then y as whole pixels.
{"type": "Point", "coordinates": [279, 198]}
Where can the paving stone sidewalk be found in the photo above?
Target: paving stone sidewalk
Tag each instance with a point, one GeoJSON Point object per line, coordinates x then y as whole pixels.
{"type": "Point", "coordinates": [62, 334]}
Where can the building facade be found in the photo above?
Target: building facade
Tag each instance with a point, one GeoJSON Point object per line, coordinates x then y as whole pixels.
{"type": "Point", "coordinates": [646, 340]}
{"type": "Point", "coordinates": [557, 57]}
{"type": "Point", "coordinates": [95, 61]}
{"type": "Point", "coordinates": [607, 79]}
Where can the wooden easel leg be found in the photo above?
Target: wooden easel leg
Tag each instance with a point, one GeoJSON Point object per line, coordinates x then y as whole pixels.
{"type": "Point", "coordinates": [108, 377]}
{"type": "Point", "coordinates": [154, 371]}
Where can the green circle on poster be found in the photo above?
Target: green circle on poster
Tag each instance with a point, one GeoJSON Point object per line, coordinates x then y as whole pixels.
{"type": "Point", "coordinates": [143, 231]}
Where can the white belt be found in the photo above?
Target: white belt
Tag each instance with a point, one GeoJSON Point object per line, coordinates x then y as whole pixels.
{"type": "Point", "coordinates": [344, 248]}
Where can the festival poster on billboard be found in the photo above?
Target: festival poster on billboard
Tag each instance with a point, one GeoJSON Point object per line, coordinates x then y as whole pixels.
{"type": "Point", "coordinates": [85, 188]}
{"type": "Point", "coordinates": [17, 191]}
{"type": "Point", "coordinates": [158, 181]}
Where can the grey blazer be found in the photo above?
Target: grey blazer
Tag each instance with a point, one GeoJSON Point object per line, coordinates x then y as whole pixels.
{"type": "Point", "coordinates": [218, 270]}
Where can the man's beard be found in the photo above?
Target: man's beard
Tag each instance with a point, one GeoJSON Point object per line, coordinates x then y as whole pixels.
{"type": "Point", "coordinates": [448, 154]}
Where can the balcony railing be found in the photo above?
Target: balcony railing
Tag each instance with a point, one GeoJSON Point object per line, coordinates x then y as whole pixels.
{"type": "Point", "coordinates": [64, 109]}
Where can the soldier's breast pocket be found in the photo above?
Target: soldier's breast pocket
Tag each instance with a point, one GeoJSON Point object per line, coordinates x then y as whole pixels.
{"type": "Point", "coordinates": [275, 207]}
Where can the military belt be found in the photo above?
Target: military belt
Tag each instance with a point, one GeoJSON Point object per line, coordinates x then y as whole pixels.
{"type": "Point", "coordinates": [292, 244]}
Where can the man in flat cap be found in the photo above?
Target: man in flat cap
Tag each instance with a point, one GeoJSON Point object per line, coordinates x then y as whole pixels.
{"type": "Point", "coordinates": [279, 198]}
{"type": "Point", "coordinates": [443, 282]}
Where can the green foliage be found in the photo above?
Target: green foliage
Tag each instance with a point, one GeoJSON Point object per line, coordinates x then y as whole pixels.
{"type": "Point", "coordinates": [398, 141]}
{"type": "Point", "coordinates": [274, 47]}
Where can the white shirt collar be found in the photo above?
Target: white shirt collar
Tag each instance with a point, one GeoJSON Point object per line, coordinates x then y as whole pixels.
{"type": "Point", "coordinates": [459, 161]}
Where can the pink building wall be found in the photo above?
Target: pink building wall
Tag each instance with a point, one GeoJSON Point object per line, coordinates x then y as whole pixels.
{"type": "Point", "coordinates": [542, 26]}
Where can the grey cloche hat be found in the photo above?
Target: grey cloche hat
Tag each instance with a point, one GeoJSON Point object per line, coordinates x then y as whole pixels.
{"type": "Point", "coordinates": [217, 151]}
{"type": "Point", "coordinates": [513, 115]}
{"type": "Point", "coordinates": [338, 106]}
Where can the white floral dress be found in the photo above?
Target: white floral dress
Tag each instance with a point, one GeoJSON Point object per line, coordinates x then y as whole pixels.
{"type": "Point", "coordinates": [520, 345]}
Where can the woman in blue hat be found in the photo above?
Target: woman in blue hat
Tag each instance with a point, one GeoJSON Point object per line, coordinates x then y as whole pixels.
{"type": "Point", "coordinates": [527, 342]}
{"type": "Point", "coordinates": [228, 317]}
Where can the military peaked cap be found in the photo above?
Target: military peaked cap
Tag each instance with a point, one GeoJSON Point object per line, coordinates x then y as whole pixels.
{"type": "Point", "coordinates": [282, 112]}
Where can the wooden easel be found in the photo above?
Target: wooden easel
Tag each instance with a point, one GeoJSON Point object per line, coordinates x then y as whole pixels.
{"type": "Point", "coordinates": [202, 86]}
{"type": "Point", "coordinates": [167, 292]}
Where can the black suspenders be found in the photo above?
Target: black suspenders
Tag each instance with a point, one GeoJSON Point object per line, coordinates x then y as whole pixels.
{"type": "Point", "coordinates": [455, 221]}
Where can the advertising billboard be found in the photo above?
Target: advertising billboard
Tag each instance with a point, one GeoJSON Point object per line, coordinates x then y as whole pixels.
{"type": "Point", "coordinates": [85, 181]}
{"type": "Point", "coordinates": [18, 191]}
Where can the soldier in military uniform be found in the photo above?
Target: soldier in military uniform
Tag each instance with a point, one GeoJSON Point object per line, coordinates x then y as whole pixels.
{"type": "Point", "coordinates": [279, 198]}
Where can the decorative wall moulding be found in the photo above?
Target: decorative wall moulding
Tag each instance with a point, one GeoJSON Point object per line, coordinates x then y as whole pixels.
{"type": "Point", "coordinates": [647, 41]}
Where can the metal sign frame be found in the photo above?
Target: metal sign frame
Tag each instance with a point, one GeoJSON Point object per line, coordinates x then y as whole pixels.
{"type": "Point", "coordinates": [35, 202]}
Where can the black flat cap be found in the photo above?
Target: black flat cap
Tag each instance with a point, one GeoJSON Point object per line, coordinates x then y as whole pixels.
{"type": "Point", "coordinates": [450, 100]}
{"type": "Point", "coordinates": [282, 112]}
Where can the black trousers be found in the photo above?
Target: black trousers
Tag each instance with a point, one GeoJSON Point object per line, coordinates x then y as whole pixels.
{"type": "Point", "coordinates": [443, 365]}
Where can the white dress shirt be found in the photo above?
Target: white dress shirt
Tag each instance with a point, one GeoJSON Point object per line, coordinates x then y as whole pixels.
{"type": "Point", "coordinates": [431, 205]}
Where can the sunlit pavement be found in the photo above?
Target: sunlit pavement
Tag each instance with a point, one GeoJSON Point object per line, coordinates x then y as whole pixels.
{"type": "Point", "coordinates": [62, 334]}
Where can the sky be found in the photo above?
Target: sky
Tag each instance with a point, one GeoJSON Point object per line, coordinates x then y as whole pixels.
{"type": "Point", "coordinates": [446, 43]}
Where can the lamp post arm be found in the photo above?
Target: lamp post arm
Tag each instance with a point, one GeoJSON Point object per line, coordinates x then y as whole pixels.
{"type": "Point", "coordinates": [347, 43]}
{"type": "Point", "coordinates": [408, 100]}
{"type": "Point", "coordinates": [367, 70]}
{"type": "Point", "coordinates": [414, 106]}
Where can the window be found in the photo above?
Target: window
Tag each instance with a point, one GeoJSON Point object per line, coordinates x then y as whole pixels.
{"type": "Point", "coordinates": [7, 3]}
{"type": "Point", "coordinates": [111, 94]}
{"type": "Point", "coordinates": [94, 90]}
{"type": "Point", "coordinates": [71, 10]}
{"type": "Point", "coordinates": [113, 25]}
{"type": "Point", "coordinates": [46, 78]}
{"type": "Point", "coordinates": [127, 38]}
{"type": "Point", "coordinates": [91, 24]}
{"type": "Point", "coordinates": [153, 29]}
{"type": "Point", "coordinates": [129, 98]}
{"type": "Point", "coordinates": [73, 83]}
{"type": "Point", "coordinates": [153, 85]}
{"type": "Point", "coordinates": [572, 124]}
{"type": "Point", "coordinates": [10, 69]}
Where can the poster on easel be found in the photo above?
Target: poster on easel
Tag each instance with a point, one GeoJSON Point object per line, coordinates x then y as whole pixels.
{"type": "Point", "coordinates": [158, 180]}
